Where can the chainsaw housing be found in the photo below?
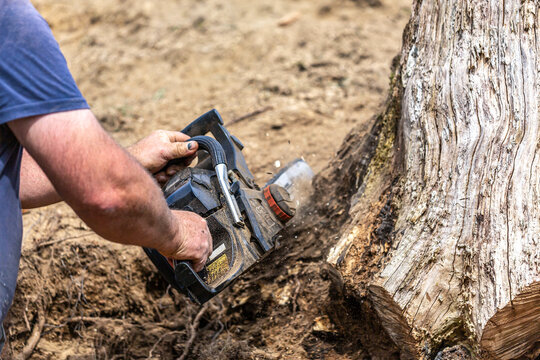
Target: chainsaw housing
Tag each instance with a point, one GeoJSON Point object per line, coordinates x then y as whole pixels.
{"type": "Point", "coordinates": [244, 220]}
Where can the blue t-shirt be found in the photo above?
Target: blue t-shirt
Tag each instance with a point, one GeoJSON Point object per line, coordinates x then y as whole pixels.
{"type": "Point", "coordinates": [34, 80]}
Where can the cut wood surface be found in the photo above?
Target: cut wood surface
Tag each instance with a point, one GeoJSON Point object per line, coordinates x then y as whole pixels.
{"type": "Point", "coordinates": [460, 264]}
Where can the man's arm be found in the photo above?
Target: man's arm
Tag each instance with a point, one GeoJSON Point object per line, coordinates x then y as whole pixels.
{"type": "Point", "coordinates": [35, 189]}
{"type": "Point", "coordinates": [107, 188]}
{"type": "Point", "coordinates": [153, 152]}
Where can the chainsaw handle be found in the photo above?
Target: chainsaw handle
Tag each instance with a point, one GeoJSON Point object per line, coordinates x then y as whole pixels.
{"type": "Point", "coordinates": [213, 147]}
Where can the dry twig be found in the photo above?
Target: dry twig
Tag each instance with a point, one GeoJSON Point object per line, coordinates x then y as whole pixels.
{"type": "Point", "coordinates": [34, 338]}
{"type": "Point", "coordinates": [40, 323]}
{"type": "Point", "coordinates": [52, 242]}
{"type": "Point", "coordinates": [25, 316]}
{"type": "Point", "coordinates": [91, 319]}
{"type": "Point", "coordinates": [193, 331]}
{"type": "Point", "coordinates": [150, 353]}
{"type": "Point", "coordinates": [297, 290]}
{"type": "Point", "coordinates": [249, 115]}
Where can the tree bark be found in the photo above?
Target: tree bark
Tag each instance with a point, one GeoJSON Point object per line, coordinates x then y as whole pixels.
{"type": "Point", "coordinates": [444, 236]}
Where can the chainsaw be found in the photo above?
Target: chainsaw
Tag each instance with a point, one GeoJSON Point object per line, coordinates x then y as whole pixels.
{"type": "Point", "coordinates": [244, 221]}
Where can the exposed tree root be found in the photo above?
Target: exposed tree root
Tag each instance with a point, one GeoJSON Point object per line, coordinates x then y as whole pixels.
{"type": "Point", "coordinates": [193, 330]}
{"type": "Point", "coordinates": [34, 337]}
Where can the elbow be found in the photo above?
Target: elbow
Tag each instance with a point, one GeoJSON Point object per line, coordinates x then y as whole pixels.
{"type": "Point", "coordinates": [109, 202]}
{"type": "Point", "coordinates": [107, 212]}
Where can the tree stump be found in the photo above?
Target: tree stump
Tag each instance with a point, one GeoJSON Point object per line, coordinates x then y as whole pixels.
{"type": "Point", "coordinates": [444, 231]}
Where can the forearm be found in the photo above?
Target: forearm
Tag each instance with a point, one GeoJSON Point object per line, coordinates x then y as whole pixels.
{"type": "Point", "coordinates": [152, 152]}
{"type": "Point", "coordinates": [36, 189]}
{"type": "Point", "coordinates": [105, 186]}
{"type": "Point", "coordinates": [131, 210]}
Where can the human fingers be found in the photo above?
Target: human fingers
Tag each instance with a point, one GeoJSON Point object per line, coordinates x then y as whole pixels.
{"type": "Point", "coordinates": [198, 265]}
{"type": "Point", "coordinates": [203, 241]}
{"type": "Point", "coordinates": [194, 241]}
{"type": "Point", "coordinates": [161, 177]}
{"type": "Point", "coordinates": [183, 149]}
{"type": "Point", "coordinates": [173, 169]}
{"type": "Point", "coordinates": [176, 136]}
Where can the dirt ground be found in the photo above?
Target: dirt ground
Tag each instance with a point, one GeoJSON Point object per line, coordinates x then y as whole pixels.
{"type": "Point", "coordinates": [313, 69]}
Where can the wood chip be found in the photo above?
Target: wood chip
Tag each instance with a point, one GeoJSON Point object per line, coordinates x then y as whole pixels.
{"type": "Point", "coordinates": [289, 18]}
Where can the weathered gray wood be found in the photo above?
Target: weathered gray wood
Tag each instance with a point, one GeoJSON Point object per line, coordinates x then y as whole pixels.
{"type": "Point", "coordinates": [464, 265]}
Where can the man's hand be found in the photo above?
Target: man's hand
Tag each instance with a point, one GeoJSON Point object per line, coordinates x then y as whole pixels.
{"type": "Point", "coordinates": [160, 147]}
{"type": "Point", "coordinates": [194, 243]}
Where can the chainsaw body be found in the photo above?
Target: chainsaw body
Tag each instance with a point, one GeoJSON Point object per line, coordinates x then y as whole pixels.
{"type": "Point", "coordinates": [244, 220]}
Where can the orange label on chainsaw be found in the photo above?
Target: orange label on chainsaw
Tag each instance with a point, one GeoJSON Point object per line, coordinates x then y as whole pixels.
{"type": "Point", "coordinates": [218, 268]}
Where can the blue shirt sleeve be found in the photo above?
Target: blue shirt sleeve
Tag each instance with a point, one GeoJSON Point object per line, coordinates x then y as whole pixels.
{"type": "Point", "coordinates": [34, 76]}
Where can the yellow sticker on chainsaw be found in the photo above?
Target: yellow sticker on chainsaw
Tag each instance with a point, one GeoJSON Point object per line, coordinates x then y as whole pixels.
{"type": "Point", "coordinates": [218, 268]}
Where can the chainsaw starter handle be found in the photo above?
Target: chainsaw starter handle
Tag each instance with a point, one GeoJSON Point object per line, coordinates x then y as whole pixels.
{"type": "Point", "coordinates": [213, 147]}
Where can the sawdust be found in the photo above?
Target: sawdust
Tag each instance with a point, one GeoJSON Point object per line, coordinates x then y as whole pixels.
{"type": "Point", "coordinates": [146, 65]}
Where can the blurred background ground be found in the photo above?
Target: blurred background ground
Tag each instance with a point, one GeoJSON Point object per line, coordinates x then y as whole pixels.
{"type": "Point", "coordinates": [314, 69]}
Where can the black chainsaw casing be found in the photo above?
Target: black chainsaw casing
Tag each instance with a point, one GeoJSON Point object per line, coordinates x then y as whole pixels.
{"type": "Point", "coordinates": [236, 247]}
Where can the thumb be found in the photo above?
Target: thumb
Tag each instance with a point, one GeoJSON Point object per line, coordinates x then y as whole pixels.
{"type": "Point", "coordinates": [183, 149]}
